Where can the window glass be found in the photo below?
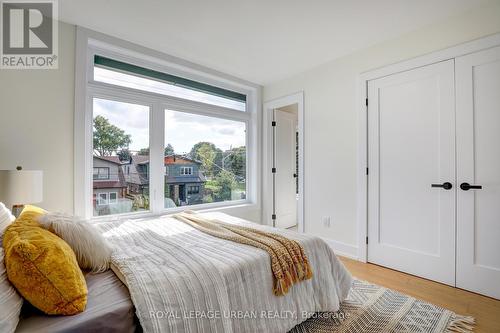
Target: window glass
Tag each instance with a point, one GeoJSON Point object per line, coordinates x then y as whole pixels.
{"type": "Point", "coordinates": [205, 158]}
{"type": "Point", "coordinates": [101, 173]}
{"type": "Point", "coordinates": [120, 157]}
{"type": "Point", "coordinates": [186, 171]}
{"type": "Point", "coordinates": [113, 197]}
{"type": "Point", "coordinates": [103, 199]}
{"type": "Point", "coordinates": [193, 189]}
{"type": "Point", "coordinates": [142, 83]}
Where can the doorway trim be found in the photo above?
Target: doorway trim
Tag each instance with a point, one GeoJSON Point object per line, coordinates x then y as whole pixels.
{"type": "Point", "coordinates": [362, 113]}
{"type": "Point", "coordinates": [267, 183]}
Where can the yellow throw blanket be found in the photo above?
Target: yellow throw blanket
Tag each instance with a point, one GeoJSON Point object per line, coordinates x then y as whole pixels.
{"type": "Point", "coordinates": [289, 263]}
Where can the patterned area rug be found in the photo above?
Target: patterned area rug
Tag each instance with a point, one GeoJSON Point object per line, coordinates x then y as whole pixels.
{"type": "Point", "coordinates": [371, 308]}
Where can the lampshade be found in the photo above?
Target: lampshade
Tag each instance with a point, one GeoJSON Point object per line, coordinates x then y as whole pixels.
{"type": "Point", "coordinates": [20, 187]}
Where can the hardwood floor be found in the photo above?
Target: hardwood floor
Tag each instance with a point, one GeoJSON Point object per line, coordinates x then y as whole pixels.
{"type": "Point", "coordinates": [486, 310]}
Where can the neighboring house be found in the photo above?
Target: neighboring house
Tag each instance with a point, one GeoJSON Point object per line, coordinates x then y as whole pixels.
{"type": "Point", "coordinates": [108, 182]}
{"type": "Point", "coordinates": [136, 173]}
{"type": "Point", "coordinates": [184, 181]}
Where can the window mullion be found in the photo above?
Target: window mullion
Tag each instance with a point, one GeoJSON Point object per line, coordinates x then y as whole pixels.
{"type": "Point", "coordinates": [129, 95]}
{"type": "Point", "coordinates": [156, 157]}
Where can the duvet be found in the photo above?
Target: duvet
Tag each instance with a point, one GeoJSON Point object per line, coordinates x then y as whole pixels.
{"type": "Point", "coordinates": [183, 280]}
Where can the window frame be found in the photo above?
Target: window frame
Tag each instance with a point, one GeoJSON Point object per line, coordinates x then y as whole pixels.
{"type": "Point", "coordinates": [89, 44]}
{"type": "Point", "coordinates": [182, 171]}
{"type": "Point", "coordinates": [106, 201]}
{"type": "Point", "coordinates": [191, 188]}
{"type": "Point", "coordinates": [99, 173]}
{"type": "Point", "coordinates": [116, 197]}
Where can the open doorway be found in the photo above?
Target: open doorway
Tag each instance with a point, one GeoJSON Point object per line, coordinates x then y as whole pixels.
{"type": "Point", "coordinates": [283, 176]}
{"type": "Point", "coordinates": [285, 166]}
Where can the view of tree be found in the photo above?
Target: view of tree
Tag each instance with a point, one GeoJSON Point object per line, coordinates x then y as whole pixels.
{"type": "Point", "coordinates": [108, 138]}
{"type": "Point", "coordinates": [143, 151]}
{"type": "Point", "coordinates": [169, 150]}
{"type": "Point", "coordinates": [124, 154]}
{"type": "Point", "coordinates": [235, 161]}
{"type": "Point", "coordinates": [226, 182]}
{"type": "Point", "coordinates": [209, 155]}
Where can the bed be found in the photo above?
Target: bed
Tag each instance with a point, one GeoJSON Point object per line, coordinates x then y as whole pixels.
{"type": "Point", "coordinates": [183, 280]}
{"type": "Point", "coordinates": [169, 277]}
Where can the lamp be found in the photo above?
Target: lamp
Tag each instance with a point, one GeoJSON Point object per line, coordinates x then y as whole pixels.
{"type": "Point", "coordinates": [20, 187]}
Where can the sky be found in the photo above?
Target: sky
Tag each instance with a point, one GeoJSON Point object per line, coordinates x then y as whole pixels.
{"type": "Point", "coordinates": [182, 130]}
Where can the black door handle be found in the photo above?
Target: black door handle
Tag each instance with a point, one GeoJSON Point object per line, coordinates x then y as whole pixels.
{"type": "Point", "coordinates": [446, 186]}
{"type": "Point", "coordinates": [295, 175]}
{"type": "Point", "coordinates": [467, 186]}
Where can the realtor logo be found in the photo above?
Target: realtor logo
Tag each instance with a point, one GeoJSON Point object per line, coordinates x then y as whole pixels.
{"type": "Point", "coordinates": [29, 34]}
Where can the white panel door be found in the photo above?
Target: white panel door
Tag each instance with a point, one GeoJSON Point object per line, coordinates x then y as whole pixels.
{"type": "Point", "coordinates": [478, 163]}
{"type": "Point", "coordinates": [411, 134]}
{"type": "Point", "coordinates": [285, 155]}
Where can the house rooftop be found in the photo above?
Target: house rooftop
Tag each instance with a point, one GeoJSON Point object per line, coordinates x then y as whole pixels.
{"type": "Point", "coordinates": [109, 184]}
{"type": "Point", "coordinates": [185, 179]}
{"type": "Point", "coordinates": [113, 159]}
{"type": "Point", "coordinates": [179, 159]}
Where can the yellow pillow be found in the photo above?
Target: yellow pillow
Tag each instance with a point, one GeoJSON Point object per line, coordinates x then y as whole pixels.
{"type": "Point", "coordinates": [43, 267]}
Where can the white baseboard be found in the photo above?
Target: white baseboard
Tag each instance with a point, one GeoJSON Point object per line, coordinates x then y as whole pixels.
{"type": "Point", "coordinates": [343, 249]}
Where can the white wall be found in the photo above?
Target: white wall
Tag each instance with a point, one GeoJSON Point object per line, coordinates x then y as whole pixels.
{"type": "Point", "coordinates": [36, 122]}
{"type": "Point", "coordinates": [331, 123]}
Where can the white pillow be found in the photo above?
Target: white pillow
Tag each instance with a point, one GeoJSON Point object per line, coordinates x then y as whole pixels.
{"type": "Point", "coordinates": [6, 218]}
{"type": "Point", "coordinates": [10, 301]}
{"type": "Point", "coordinates": [90, 247]}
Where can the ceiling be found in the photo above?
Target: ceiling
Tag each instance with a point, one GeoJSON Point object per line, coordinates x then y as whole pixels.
{"type": "Point", "coordinates": [259, 40]}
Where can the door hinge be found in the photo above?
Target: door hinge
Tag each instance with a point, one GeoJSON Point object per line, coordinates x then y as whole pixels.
{"type": "Point", "coordinates": [273, 123]}
{"type": "Point", "coordinates": [366, 101]}
{"type": "Point", "coordinates": [366, 239]}
{"type": "Point", "coordinates": [273, 216]}
{"type": "Point", "coordinates": [273, 170]}
{"type": "Point", "coordinates": [366, 171]}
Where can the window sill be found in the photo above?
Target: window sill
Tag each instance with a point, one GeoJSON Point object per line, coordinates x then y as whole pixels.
{"type": "Point", "coordinates": [240, 205]}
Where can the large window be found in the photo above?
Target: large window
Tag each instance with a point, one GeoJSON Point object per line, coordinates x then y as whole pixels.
{"type": "Point", "coordinates": [161, 141]}
{"type": "Point", "coordinates": [206, 159]}
{"type": "Point", "coordinates": [120, 156]}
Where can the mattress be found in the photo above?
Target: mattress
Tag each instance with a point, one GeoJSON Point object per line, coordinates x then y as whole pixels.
{"type": "Point", "coordinates": [109, 309]}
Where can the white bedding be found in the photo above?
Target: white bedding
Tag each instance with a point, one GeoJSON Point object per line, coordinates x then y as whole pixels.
{"type": "Point", "coordinates": [182, 280]}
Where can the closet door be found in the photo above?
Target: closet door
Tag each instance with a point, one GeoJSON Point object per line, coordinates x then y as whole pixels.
{"type": "Point", "coordinates": [411, 145]}
{"type": "Point", "coordinates": [478, 164]}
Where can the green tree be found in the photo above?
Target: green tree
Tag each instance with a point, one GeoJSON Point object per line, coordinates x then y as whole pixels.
{"type": "Point", "coordinates": [108, 138]}
{"type": "Point", "coordinates": [210, 157]}
{"type": "Point", "coordinates": [169, 150]}
{"type": "Point", "coordinates": [225, 183]}
{"type": "Point", "coordinates": [235, 161]}
{"type": "Point", "coordinates": [124, 154]}
{"type": "Point", "coordinates": [143, 151]}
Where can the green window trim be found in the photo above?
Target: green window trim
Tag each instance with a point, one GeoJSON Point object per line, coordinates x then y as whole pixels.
{"type": "Point", "coordinates": [108, 63]}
